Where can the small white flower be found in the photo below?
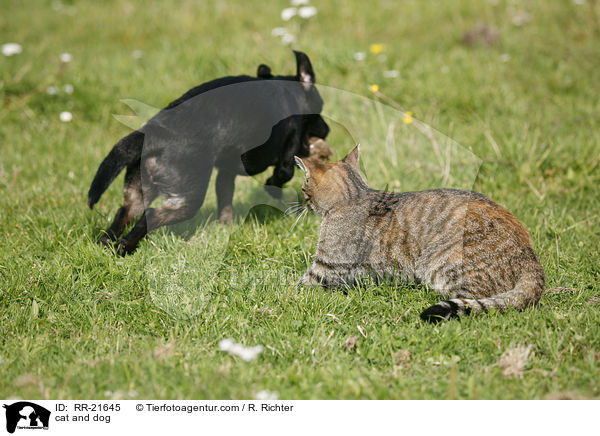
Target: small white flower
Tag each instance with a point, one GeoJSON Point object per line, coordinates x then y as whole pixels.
{"type": "Point", "coordinates": [445, 69]}
{"type": "Point", "coordinates": [137, 54]}
{"type": "Point", "coordinates": [66, 116]}
{"type": "Point", "coordinates": [108, 393]}
{"type": "Point", "coordinates": [288, 13]}
{"type": "Point", "coordinates": [68, 88]}
{"type": "Point", "coordinates": [287, 39]}
{"type": "Point", "coordinates": [505, 57]}
{"type": "Point", "coordinates": [66, 57]}
{"type": "Point", "coordinates": [279, 31]}
{"type": "Point", "coordinates": [267, 395]}
{"type": "Point", "coordinates": [307, 11]}
{"type": "Point", "coordinates": [299, 2]}
{"type": "Point", "coordinates": [245, 353]}
{"type": "Point", "coordinates": [579, 2]}
{"type": "Point", "coordinates": [52, 90]}
{"type": "Point", "coordinates": [133, 393]}
{"type": "Point", "coordinates": [11, 48]}
{"type": "Point", "coordinates": [71, 175]}
{"type": "Point", "coordinates": [391, 74]}
{"type": "Point", "coordinates": [226, 344]}
{"type": "Point", "coordinates": [360, 56]}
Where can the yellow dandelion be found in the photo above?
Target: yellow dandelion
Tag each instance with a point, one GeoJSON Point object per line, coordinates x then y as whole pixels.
{"type": "Point", "coordinates": [374, 88]}
{"type": "Point", "coordinates": [376, 48]}
{"type": "Point", "coordinates": [408, 117]}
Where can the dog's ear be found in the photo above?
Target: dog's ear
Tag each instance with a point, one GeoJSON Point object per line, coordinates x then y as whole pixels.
{"type": "Point", "coordinates": [264, 72]}
{"type": "Point", "coordinates": [304, 70]}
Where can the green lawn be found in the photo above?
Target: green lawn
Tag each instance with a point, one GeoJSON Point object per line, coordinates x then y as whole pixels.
{"type": "Point", "coordinates": [78, 322]}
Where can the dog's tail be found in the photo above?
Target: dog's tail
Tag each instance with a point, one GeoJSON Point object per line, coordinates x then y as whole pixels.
{"type": "Point", "coordinates": [126, 152]}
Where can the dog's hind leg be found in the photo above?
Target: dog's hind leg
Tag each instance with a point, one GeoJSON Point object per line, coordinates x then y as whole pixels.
{"type": "Point", "coordinates": [133, 205]}
{"type": "Point", "coordinates": [184, 195]}
{"type": "Point", "coordinates": [173, 210]}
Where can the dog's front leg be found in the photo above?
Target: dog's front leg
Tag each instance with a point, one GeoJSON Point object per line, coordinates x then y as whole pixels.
{"type": "Point", "coordinates": [225, 185]}
{"type": "Point", "coordinates": [284, 169]}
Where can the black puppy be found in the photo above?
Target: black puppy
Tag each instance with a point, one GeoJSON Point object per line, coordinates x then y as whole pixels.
{"type": "Point", "coordinates": [240, 124]}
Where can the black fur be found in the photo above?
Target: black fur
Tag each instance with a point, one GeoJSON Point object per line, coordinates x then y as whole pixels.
{"type": "Point", "coordinates": [439, 312]}
{"type": "Point", "coordinates": [239, 124]}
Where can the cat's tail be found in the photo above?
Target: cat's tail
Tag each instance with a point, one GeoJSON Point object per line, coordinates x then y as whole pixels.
{"type": "Point", "coordinates": [527, 291]}
{"type": "Point", "coordinates": [126, 152]}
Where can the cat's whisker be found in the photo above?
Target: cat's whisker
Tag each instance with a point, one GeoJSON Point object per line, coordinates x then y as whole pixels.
{"type": "Point", "coordinates": [302, 214]}
{"type": "Point", "coordinates": [292, 210]}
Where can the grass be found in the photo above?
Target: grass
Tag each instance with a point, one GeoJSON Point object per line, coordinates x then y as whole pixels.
{"type": "Point", "coordinates": [78, 322]}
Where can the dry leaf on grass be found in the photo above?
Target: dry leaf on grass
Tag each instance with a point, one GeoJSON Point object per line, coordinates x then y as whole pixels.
{"type": "Point", "coordinates": [163, 351]}
{"type": "Point", "coordinates": [514, 360]}
{"type": "Point", "coordinates": [350, 343]}
{"type": "Point", "coordinates": [401, 357]}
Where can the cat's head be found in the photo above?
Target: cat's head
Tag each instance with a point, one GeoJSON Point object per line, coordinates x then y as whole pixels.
{"type": "Point", "coordinates": [331, 183]}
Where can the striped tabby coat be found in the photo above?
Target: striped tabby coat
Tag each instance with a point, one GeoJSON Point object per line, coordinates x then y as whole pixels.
{"type": "Point", "coordinates": [471, 250]}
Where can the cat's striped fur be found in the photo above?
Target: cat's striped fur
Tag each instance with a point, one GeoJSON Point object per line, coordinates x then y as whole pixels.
{"type": "Point", "coordinates": [471, 250]}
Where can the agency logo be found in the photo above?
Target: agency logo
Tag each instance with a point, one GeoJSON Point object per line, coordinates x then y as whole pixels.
{"type": "Point", "coordinates": [26, 415]}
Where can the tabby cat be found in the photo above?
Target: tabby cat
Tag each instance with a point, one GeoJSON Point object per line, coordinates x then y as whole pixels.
{"type": "Point", "coordinates": [471, 250]}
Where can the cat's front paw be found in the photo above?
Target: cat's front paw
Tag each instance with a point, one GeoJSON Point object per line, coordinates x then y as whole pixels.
{"type": "Point", "coordinates": [309, 280]}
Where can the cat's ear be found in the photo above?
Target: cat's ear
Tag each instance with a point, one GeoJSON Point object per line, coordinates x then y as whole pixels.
{"type": "Point", "coordinates": [352, 158]}
{"type": "Point", "coordinates": [302, 164]}
{"type": "Point", "coordinates": [304, 70]}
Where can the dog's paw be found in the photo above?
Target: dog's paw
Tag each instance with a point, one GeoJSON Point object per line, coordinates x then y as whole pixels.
{"type": "Point", "coordinates": [226, 215]}
{"type": "Point", "coordinates": [124, 247]}
{"type": "Point", "coordinates": [105, 240]}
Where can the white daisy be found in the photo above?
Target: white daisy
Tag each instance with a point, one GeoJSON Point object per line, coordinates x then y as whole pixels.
{"type": "Point", "coordinates": [137, 54]}
{"type": "Point", "coordinates": [267, 395]}
{"type": "Point", "coordinates": [68, 88]}
{"type": "Point", "coordinates": [288, 13]}
{"type": "Point", "coordinates": [391, 74]}
{"type": "Point", "coordinates": [11, 48]}
{"type": "Point", "coordinates": [66, 116]}
{"type": "Point", "coordinates": [52, 90]}
{"type": "Point", "coordinates": [246, 353]}
{"type": "Point", "coordinates": [66, 57]}
{"type": "Point", "coordinates": [360, 56]}
{"type": "Point", "coordinates": [307, 11]}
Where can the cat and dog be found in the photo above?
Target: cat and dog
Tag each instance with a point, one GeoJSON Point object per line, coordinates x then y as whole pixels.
{"type": "Point", "coordinates": [471, 250]}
